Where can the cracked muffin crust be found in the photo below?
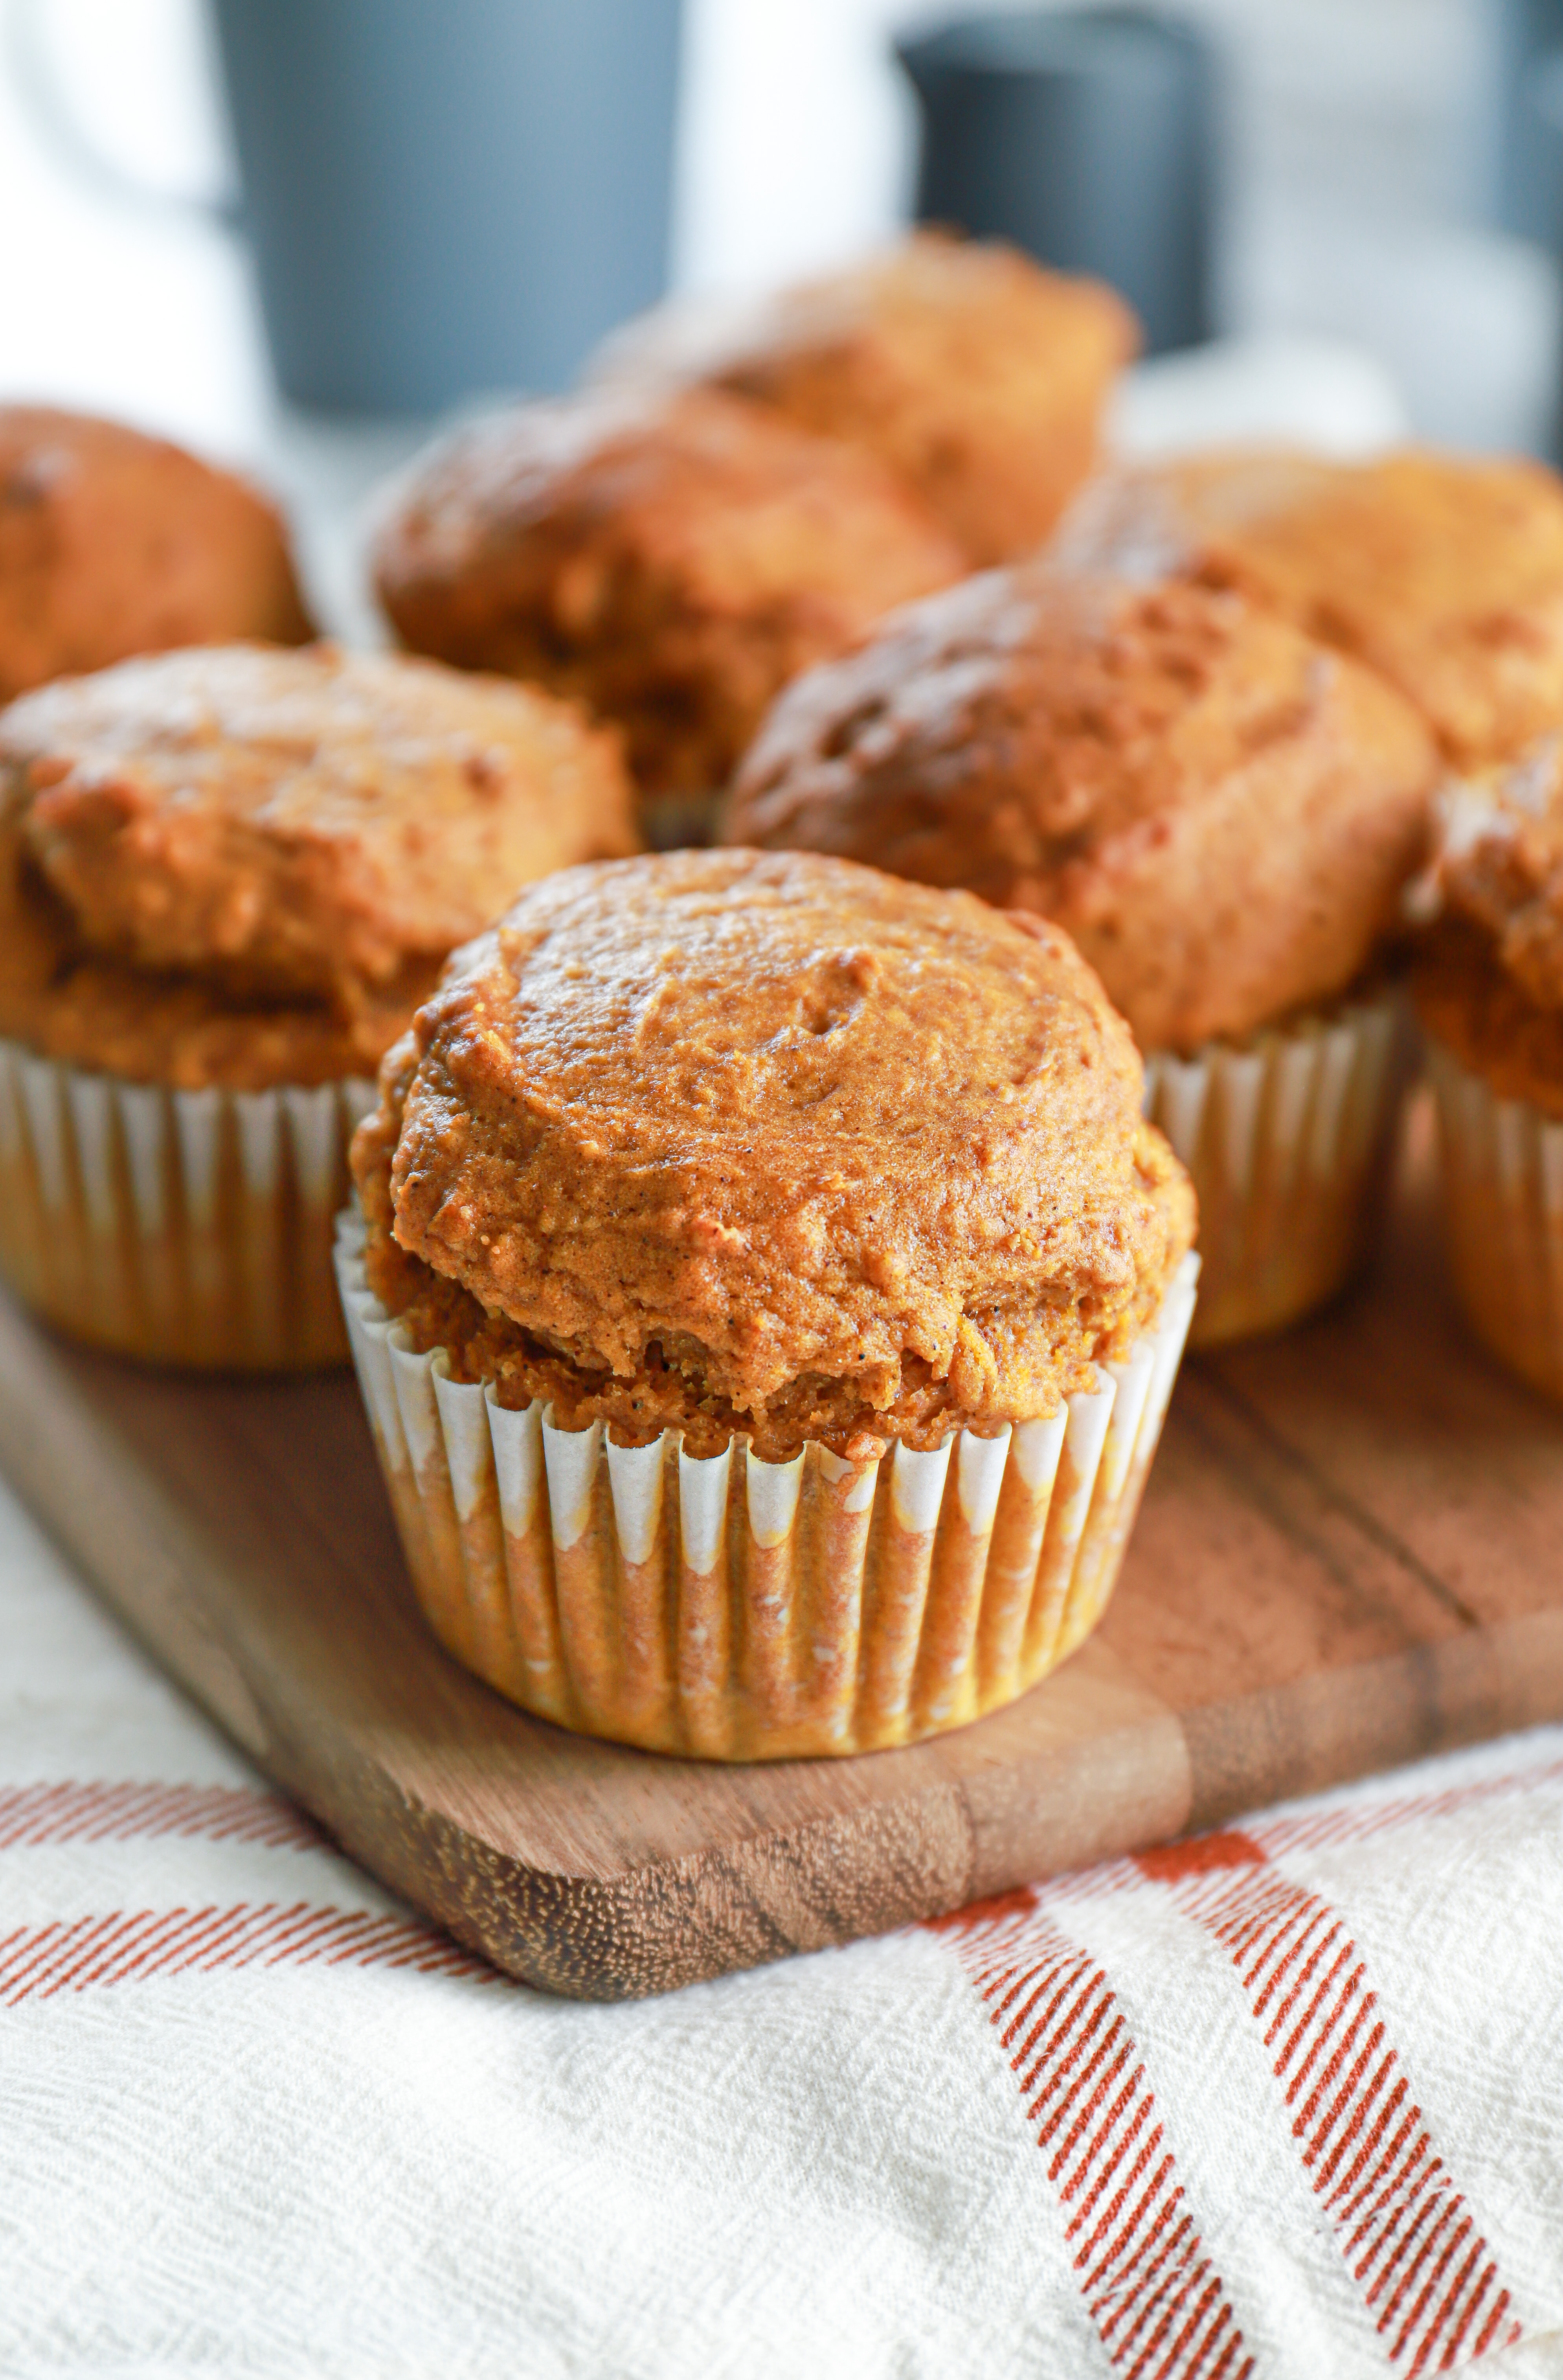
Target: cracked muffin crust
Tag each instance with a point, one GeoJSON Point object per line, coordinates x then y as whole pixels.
{"type": "Point", "coordinates": [114, 543]}
{"type": "Point", "coordinates": [669, 559]}
{"type": "Point", "coordinates": [1489, 990]}
{"type": "Point", "coordinates": [1220, 812]}
{"type": "Point", "coordinates": [728, 1142]}
{"type": "Point", "coordinates": [1490, 981]}
{"type": "Point", "coordinates": [977, 375]}
{"type": "Point", "coordinates": [1443, 574]}
{"type": "Point", "coordinates": [243, 866]}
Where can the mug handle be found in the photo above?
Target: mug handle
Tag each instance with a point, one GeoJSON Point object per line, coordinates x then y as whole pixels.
{"type": "Point", "coordinates": [44, 100]}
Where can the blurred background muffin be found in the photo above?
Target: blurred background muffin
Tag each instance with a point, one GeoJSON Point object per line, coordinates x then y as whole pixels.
{"type": "Point", "coordinates": [671, 560]}
{"type": "Point", "coordinates": [227, 876]}
{"type": "Point", "coordinates": [113, 543]}
{"type": "Point", "coordinates": [977, 376]}
{"type": "Point", "coordinates": [800, 1228]}
{"type": "Point", "coordinates": [1445, 574]}
{"type": "Point", "coordinates": [1489, 990]}
{"type": "Point", "coordinates": [1219, 811]}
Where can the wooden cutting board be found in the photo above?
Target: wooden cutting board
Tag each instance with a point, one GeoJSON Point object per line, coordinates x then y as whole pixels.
{"type": "Point", "coordinates": [1350, 1553]}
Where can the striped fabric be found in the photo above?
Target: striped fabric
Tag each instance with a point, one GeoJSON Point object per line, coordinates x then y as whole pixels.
{"type": "Point", "coordinates": [1280, 2104]}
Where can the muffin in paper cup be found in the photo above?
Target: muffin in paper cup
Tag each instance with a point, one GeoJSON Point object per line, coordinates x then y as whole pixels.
{"type": "Point", "coordinates": [1502, 1162]}
{"type": "Point", "coordinates": [625, 547]}
{"type": "Point", "coordinates": [226, 878]}
{"type": "Point", "coordinates": [981, 378]}
{"type": "Point", "coordinates": [1488, 984]}
{"type": "Point", "coordinates": [738, 1609]}
{"type": "Point", "coordinates": [186, 1227]}
{"type": "Point", "coordinates": [1222, 814]}
{"type": "Point", "coordinates": [767, 1294]}
{"type": "Point", "coordinates": [1287, 1138]}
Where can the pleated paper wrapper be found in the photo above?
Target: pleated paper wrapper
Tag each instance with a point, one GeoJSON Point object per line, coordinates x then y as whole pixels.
{"type": "Point", "coordinates": [183, 1227]}
{"type": "Point", "coordinates": [1503, 1216]}
{"type": "Point", "coordinates": [735, 1610]}
{"type": "Point", "coordinates": [1289, 1139]}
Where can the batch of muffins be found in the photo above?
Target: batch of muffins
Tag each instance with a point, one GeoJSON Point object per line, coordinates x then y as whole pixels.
{"type": "Point", "coordinates": [752, 1024]}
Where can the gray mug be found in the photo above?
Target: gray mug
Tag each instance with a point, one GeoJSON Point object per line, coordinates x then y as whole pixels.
{"type": "Point", "coordinates": [440, 197]}
{"type": "Point", "coordinates": [1085, 134]}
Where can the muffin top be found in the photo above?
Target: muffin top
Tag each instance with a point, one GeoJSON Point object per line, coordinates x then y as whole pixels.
{"type": "Point", "coordinates": [242, 828]}
{"type": "Point", "coordinates": [671, 558]}
{"type": "Point", "coordinates": [1220, 812]}
{"type": "Point", "coordinates": [114, 543]}
{"type": "Point", "coordinates": [1490, 980]}
{"type": "Point", "coordinates": [774, 1143]}
{"type": "Point", "coordinates": [974, 373]}
{"type": "Point", "coordinates": [1498, 864]}
{"type": "Point", "coordinates": [734, 506]}
{"type": "Point", "coordinates": [1443, 574]}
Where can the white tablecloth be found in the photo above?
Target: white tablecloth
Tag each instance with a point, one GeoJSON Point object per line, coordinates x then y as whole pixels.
{"type": "Point", "coordinates": [1291, 2103]}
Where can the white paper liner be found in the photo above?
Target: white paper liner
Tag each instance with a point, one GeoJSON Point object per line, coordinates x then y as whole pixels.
{"type": "Point", "coordinates": [1503, 1212]}
{"type": "Point", "coordinates": [737, 1609]}
{"type": "Point", "coordinates": [1287, 1138]}
{"type": "Point", "coordinates": [187, 1227]}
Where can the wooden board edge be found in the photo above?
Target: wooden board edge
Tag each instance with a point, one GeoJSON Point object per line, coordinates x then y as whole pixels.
{"type": "Point", "coordinates": [1332, 1730]}
{"type": "Point", "coordinates": [774, 1894]}
{"type": "Point", "coordinates": [770, 1894]}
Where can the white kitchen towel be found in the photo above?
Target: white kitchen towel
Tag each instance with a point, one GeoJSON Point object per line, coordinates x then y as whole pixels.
{"type": "Point", "coordinates": [1284, 2102]}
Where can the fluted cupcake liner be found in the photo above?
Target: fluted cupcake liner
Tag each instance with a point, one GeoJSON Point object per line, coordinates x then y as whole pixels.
{"type": "Point", "coordinates": [1288, 1137]}
{"type": "Point", "coordinates": [1502, 1164]}
{"type": "Point", "coordinates": [185, 1227]}
{"type": "Point", "coordinates": [737, 1609]}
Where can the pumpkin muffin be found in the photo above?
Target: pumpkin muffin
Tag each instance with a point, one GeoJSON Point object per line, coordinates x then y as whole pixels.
{"type": "Point", "coordinates": [669, 560]}
{"type": "Point", "coordinates": [979, 377]}
{"type": "Point", "coordinates": [793, 1225]}
{"type": "Point", "coordinates": [1489, 988]}
{"type": "Point", "coordinates": [114, 543]}
{"type": "Point", "coordinates": [227, 876]}
{"type": "Point", "coordinates": [1445, 575]}
{"type": "Point", "coordinates": [1222, 815]}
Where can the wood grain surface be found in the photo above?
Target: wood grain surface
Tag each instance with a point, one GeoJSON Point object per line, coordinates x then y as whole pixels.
{"type": "Point", "coordinates": [1350, 1553]}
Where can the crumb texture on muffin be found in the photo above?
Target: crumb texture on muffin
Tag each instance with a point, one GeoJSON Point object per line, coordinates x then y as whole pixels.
{"type": "Point", "coordinates": [1442, 573]}
{"type": "Point", "coordinates": [114, 543]}
{"type": "Point", "coordinates": [1490, 980]}
{"type": "Point", "coordinates": [976, 374]}
{"type": "Point", "coordinates": [1221, 813]}
{"type": "Point", "coordinates": [669, 559]}
{"type": "Point", "coordinates": [727, 1141]}
{"type": "Point", "coordinates": [244, 866]}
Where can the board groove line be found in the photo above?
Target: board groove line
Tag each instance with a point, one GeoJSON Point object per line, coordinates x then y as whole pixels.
{"type": "Point", "coordinates": [1335, 1498]}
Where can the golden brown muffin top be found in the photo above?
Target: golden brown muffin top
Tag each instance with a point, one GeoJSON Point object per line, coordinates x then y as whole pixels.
{"type": "Point", "coordinates": [1489, 977]}
{"type": "Point", "coordinates": [298, 826]}
{"type": "Point", "coordinates": [1499, 867]}
{"type": "Point", "coordinates": [772, 1119]}
{"type": "Point", "coordinates": [1473, 1005]}
{"type": "Point", "coordinates": [960, 363]}
{"type": "Point", "coordinates": [114, 543]}
{"type": "Point", "coordinates": [721, 505]}
{"type": "Point", "coordinates": [1444, 574]}
{"type": "Point", "coordinates": [1220, 812]}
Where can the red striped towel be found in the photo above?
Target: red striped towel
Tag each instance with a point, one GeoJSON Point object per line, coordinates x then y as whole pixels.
{"type": "Point", "coordinates": [1284, 2101]}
